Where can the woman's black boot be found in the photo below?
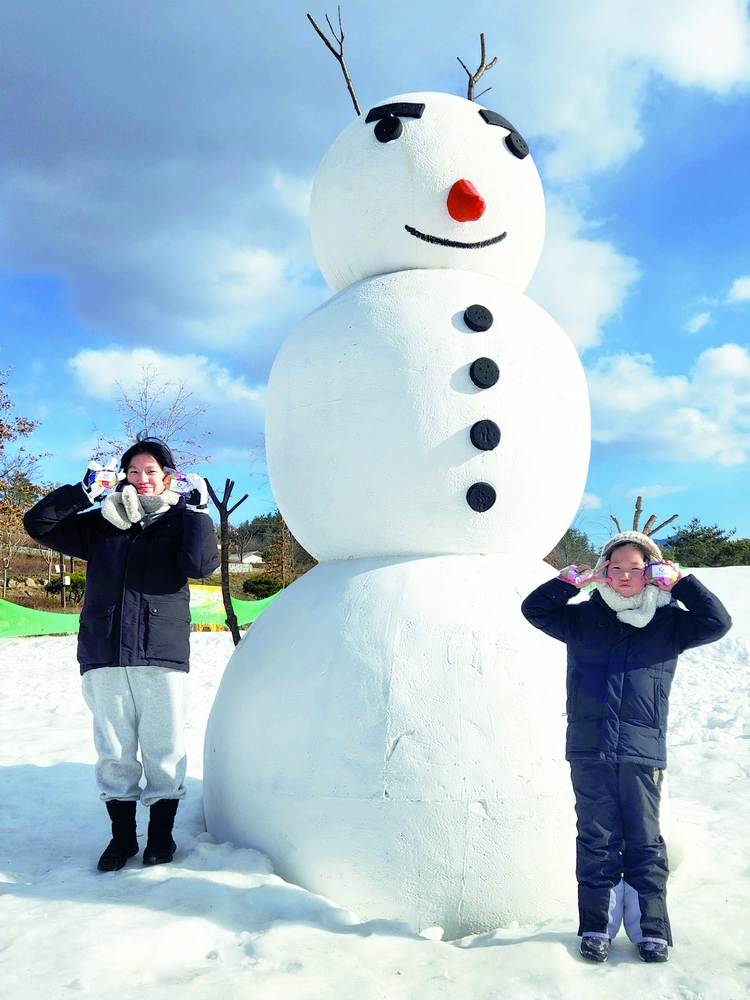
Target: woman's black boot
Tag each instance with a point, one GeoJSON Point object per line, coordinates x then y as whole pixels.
{"type": "Point", "coordinates": [160, 847]}
{"type": "Point", "coordinates": [124, 843]}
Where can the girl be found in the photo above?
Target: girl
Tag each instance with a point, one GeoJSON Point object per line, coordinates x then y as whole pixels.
{"type": "Point", "coordinates": [623, 644]}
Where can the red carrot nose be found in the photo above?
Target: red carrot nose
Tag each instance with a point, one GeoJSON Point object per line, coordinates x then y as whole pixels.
{"type": "Point", "coordinates": [465, 203]}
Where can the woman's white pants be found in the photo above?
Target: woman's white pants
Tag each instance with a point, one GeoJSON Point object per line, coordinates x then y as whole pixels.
{"type": "Point", "coordinates": [134, 707]}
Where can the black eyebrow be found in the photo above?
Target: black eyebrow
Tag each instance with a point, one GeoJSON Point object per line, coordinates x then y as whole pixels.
{"type": "Point", "coordinates": [403, 110]}
{"type": "Point", "coordinates": [493, 118]}
{"type": "Point", "coordinates": [515, 141]}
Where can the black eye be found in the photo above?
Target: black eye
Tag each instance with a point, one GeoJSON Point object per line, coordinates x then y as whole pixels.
{"type": "Point", "coordinates": [388, 129]}
{"type": "Point", "coordinates": [517, 145]}
{"type": "Point", "coordinates": [515, 141]}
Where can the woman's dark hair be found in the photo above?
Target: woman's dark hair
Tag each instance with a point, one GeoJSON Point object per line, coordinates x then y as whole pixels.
{"type": "Point", "coordinates": [148, 446]}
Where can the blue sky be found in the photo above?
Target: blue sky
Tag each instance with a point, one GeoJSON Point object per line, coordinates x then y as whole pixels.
{"type": "Point", "coordinates": [156, 162]}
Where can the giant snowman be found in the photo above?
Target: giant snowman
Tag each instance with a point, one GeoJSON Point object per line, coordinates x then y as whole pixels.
{"type": "Point", "coordinates": [390, 730]}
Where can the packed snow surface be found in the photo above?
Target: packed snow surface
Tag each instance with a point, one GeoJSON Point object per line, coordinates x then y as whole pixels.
{"type": "Point", "coordinates": [218, 922]}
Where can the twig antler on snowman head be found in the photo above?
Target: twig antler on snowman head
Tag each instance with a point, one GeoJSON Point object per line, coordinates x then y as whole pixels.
{"type": "Point", "coordinates": [483, 67]}
{"type": "Point", "coordinates": [339, 54]}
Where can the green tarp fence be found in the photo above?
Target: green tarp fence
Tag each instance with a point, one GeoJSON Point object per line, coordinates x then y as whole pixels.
{"type": "Point", "coordinates": [16, 621]}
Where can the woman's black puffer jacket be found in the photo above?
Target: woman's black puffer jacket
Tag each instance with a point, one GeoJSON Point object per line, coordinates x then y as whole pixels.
{"type": "Point", "coordinates": [136, 608]}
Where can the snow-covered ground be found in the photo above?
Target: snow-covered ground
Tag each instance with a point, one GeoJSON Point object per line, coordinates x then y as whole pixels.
{"type": "Point", "coordinates": [217, 922]}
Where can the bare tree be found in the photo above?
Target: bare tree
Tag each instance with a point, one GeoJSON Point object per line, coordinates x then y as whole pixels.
{"type": "Point", "coordinates": [244, 538]}
{"type": "Point", "coordinates": [475, 77]}
{"type": "Point", "coordinates": [18, 461]}
{"type": "Point", "coordinates": [338, 53]}
{"type": "Point", "coordinates": [49, 556]}
{"type": "Point", "coordinates": [224, 511]}
{"type": "Point", "coordinates": [18, 469]}
{"type": "Point", "coordinates": [17, 495]}
{"type": "Point", "coordinates": [279, 554]}
{"type": "Point", "coordinates": [157, 407]}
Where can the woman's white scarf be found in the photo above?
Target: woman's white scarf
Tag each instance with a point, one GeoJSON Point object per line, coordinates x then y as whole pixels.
{"type": "Point", "coordinates": [637, 610]}
{"type": "Point", "coordinates": [128, 507]}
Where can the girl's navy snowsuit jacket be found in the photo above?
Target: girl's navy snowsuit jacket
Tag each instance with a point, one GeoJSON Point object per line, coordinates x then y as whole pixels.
{"type": "Point", "coordinates": [619, 676]}
{"type": "Point", "coordinates": [136, 608]}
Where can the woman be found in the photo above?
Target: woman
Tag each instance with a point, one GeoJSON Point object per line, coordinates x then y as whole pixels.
{"type": "Point", "coordinates": [141, 547]}
{"type": "Point", "coordinates": [623, 644]}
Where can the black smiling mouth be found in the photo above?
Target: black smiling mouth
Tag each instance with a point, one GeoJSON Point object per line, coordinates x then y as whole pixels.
{"type": "Point", "coordinates": [454, 243]}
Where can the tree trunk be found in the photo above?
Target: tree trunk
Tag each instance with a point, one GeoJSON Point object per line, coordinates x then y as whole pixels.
{"type": "Point", "coordinates": [224, 511]}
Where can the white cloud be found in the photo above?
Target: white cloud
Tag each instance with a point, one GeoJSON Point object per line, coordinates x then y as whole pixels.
{"type": "Point", "coordinates": [701, 416]}
{"type": "Point", "coordinates": [590, 501]}
{"type": "Point", "coordinates": [182, 268]}
{"type": "Point", "coordinates": [721, 379]}
{"type": "Point", "coordinates": [698, 322]}
{"type": "Point", "coordinates": [234, 408]}
{"type": "Point", "coordinates": [97, 374]}
{"type": "Point", "coordinates": [293, 194]}
{"type": "Point", "coordinates": [594, 64]}
{"type": "Point", "coordinates": [703, 42]}
{"type": "Point", "coordinates": [740, 290]}
{"type": "Point", "coordinates": [582, 282]}
{"type": "Point", "coordinates": [626, 385]}
{"type": "Point", "coordinates": [246, 277]}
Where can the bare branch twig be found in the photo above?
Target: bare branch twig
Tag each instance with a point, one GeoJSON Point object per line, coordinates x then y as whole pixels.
{"type": "Point", "coordinates": [649, 525]}
{"type": "Point", "coordinates": [637, 513]}
{"type": "Point", "coordinates": [664, 523]}
{"type": "Point", "coordinates": [338, 54]}
{"type": "Point", "coordinates": [483, 67]}
{"type": "Point", "coordinates": [648, 528]}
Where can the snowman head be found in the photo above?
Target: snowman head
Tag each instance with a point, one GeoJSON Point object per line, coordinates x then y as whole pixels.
{"type": "Point", "coordinates": [427, 181]}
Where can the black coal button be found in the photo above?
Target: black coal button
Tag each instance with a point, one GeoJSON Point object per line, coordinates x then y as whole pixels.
{"type": "Point", "coordinates": [478, 318]}
{"type": "Point", "coordinates": [480, 497]}
{"type": "Point", "coordinates": [485, 435]}
{"type": "Point", "coordinates": [484, 373]}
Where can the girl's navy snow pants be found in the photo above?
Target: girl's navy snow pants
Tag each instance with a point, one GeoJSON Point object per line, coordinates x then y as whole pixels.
{"type": "Point", "coordinates": [617, 809]}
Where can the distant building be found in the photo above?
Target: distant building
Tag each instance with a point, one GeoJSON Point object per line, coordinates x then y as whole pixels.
{"type": "Point", "coordinates": [250, 561]}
